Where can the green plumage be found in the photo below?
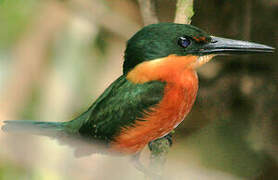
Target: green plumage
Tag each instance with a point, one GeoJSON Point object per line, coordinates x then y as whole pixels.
{"type": "Point", "coordinates": [35, 127]}
{"type": "Point", "coordinates": [160, 40]}
{"type": "Point", "coordinates": [119, 106]}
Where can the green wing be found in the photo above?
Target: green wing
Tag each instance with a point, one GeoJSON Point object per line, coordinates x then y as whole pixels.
{"type": "Point", "coordinates": [118, 107]}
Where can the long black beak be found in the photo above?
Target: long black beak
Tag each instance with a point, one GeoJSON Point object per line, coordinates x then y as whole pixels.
{"type": "Point", "coordinates": [228, 46]}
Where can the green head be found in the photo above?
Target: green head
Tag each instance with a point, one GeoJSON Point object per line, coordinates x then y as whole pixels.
{"type": "Point", "coordinates": [164, 39]}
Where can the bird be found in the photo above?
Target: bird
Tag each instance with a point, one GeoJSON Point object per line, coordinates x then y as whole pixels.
{"type": "Point", "coordinates": [154, 94]}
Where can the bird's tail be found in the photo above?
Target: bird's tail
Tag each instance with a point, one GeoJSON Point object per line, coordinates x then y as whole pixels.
{"type": "Point", "coordinates": [34, 127]}
{"type": "Point", "coordinates": [65, 132]}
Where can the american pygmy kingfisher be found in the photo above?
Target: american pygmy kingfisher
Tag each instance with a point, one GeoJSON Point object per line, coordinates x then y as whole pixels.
{"type": "Point", "coordinates": [154, 94]}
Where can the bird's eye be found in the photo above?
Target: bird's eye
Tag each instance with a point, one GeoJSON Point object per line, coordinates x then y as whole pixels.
{"type": "Point", "coordinates": [184, 42]}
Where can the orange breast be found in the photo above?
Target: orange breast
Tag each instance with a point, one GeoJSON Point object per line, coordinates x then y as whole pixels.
{"type": "Point", "coordinates": [179, 96]}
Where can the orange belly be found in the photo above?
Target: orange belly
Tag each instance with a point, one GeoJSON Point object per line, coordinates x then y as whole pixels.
{"type": "Point", "coordinates": [179, 96]}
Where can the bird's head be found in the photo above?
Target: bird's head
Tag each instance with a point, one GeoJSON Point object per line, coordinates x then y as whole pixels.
{"type": "Point", "coordinates": [158, 41]}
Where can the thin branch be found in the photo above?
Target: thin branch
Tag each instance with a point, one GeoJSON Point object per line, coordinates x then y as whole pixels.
{"type": "Point", "coordinates": [147, 8]}
{"type": "Point", "coordinates": [184, 11]}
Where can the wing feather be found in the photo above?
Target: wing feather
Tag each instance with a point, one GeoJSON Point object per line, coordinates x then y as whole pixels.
{"type": "Point", "coordinates": [120, 106]}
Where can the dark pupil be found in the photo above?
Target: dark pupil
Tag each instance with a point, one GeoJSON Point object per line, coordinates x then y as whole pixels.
{"type": "Point", "coordinates": [184, 42]}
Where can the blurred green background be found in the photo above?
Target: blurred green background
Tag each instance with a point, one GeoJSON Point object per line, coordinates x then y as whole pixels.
{"type": "Point", "coordinates": [56, 57]}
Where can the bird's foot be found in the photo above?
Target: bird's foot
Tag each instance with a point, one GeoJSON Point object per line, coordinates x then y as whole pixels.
{"type": "Point", "coordinates": [168, 137]}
